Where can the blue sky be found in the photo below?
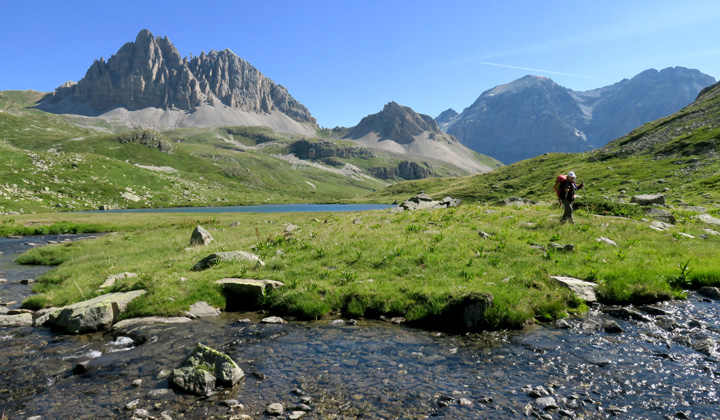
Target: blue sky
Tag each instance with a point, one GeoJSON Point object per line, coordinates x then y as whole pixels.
{"type": "Point", "coordinates": [346, 59]}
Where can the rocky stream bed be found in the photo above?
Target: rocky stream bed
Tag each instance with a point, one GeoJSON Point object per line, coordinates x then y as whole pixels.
{"type": "Point", "coordinates": [646, 363]}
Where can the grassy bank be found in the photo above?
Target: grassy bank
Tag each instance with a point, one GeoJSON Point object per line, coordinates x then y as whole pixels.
{"type": "Point", "coordinates": [417, 265]}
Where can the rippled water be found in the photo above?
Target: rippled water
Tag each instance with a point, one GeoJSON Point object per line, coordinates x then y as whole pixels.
{"type": "Point", "coordinates": [375, 370]}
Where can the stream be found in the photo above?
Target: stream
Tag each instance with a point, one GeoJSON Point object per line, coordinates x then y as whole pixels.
{"type": "Point", "coordinates": [664, 366]}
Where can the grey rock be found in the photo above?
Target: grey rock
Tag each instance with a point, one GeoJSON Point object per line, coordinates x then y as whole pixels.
{"type": "Point", "coordinates": [198, 373]}
{"type": "Point", "coordinates": [202, 310]}
{"type": "Point", "coordinates": [705, 346]}
{"type": "Point", "coordinates": [711, 292]}
{"type": "Point", "coordinates": [661, 215]}
{"type": "Point", "coordinates": [19, 320]}
{"type": "Point", "coordinates": [545, 402]}
{"type": "Point", "coordinates": [291, 228]}
{"type": "Point", "coordinates": [648, 199]}
{"type": "Point", "coordinates": [295, 415]}
{"type": "Point", "coordinates": [626, 313]}
{"type": "Point", "coordinates": [560, 247]}
{"type": "Point", "coordinates": [484, 235]}
{"type": "Point", "coordinates": [200, 236]}
{"type": "Point", "coordinates": [660, 226]}
{"type": "Point", "coordinates": [583, 289]}
{"type": "Point", "coordinates": [706, 218]}
{"type": "Point", "coordinates": [606, 241]}
{"type": "Point", "coordinates": [612, 327]}
{"type": "Point", "coordinates": [275, 409]}
{"type": "Point", "coordinates": [230, 256]}
{"type": "Point", "coordinates": [141, 414]}
{"type": "Point", "coordinates": [94, 314]}
{"type": "Point", "coordinates": [245, 294]}
{"type": "Point", "coordinates": [272, 320]}
{"type": "Point", "coordinates": [110, 280]}
{"type": "Point", "coordinates": [128, 324]}
{"type": "Point", "coordinates": [158, 393]}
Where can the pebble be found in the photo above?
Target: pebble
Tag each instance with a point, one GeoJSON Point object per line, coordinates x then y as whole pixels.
{"type": "Point", "coordinates": [132, 404]}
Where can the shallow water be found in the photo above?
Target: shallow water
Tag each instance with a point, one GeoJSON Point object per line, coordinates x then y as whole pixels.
{"type": "Point", "coordinates": [375, 370]}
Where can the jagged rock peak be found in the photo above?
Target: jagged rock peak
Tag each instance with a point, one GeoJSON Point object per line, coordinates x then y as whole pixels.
{"type": "Point", "coordinates": [150, 72]}
{"type": "Point", "coordinates": [400, 124]}
{"type": "Point", "coordinates": [446, 116]}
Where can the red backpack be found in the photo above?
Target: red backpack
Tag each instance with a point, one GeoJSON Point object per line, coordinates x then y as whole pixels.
{"type": "Point", "coordinates": [559, 180]}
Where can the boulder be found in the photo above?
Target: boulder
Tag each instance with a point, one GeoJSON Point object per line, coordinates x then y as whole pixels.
{"type": "Point", "coordinates": [244, 294]}
{"type": "Point", "coordinates": [200, 236]}
{"type": "Point", "coordinates": [275, 409]}
{"type": "Point", "coordinates": [648, 199]}
{"type": "Point", "coordinates": [110, 281]}
{"type": "Point", "coordinates": [202, 310]}
{"type": "Point", "coordinates": [661, 215]}
{"type": "Point", "coordinates": [711, 292]}
{"type": "Point", "coordinates": [585, 290]}
{"type": "Point", "coordinates": [202, 369]}
{"type": "Point", "coordinates": [272, 320]}
{"type": "Point", "coordinates": [706, 218]}
{"type": "Point", "coordinates": [19, 320]}
{"type": "Point", "coordinates": [94, 314]}
{"type": "Point", "coordinates": [230, 256]}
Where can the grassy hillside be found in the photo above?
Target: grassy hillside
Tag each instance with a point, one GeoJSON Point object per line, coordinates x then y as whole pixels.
{"type": "Point", "coordinates": [53, 163]}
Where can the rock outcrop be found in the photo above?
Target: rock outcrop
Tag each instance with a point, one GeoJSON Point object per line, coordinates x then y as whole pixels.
{"type": "Point", "coordinates": [150, 73]}
{"type": "Point", "coordinates": [245, 294]}
{"type": "Point", "coordinates": [423, 201]}
{"type": "Point", "coordinates": [200, 236]}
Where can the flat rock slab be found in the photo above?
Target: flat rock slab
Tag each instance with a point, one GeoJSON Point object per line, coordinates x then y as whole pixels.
{"type": "Point", "coordinates": [202, 310]}
{"type": "Point", "coordinates": [19, 320]}
{"type": "Point", "coordinates": [647, 199]}
{"type": "Point", "coordinates": [583, 289]}
{"type": "Point", "coordinates": [245, 294]}
{"type": "Point", "coordinates": [706, 218]}
{"type": "Point", "coordinates": [127, 324]}
{"type": "Point", "coordinates": [92, 315]}
{"type": "Point", "coordinates": [230, 256]}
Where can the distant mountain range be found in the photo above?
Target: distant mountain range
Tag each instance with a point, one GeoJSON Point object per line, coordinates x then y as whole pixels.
{"type": "Point", "coordinates": [534, 115]}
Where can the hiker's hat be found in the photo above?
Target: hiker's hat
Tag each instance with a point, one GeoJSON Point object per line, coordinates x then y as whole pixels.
{"type": "Point", "coordinates": [571, 174]}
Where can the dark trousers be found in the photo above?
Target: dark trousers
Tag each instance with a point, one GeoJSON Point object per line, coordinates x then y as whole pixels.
{"type": "Point", "coordinates": [568, 215]}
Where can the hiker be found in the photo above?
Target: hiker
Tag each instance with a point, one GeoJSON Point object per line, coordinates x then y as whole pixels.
{"type": "Point", "coordinates": [565, 188]}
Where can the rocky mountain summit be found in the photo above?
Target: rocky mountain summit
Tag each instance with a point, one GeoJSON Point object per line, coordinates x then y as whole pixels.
{"type": "Point", "coordinates": [400, 124]}
{"type": "Point", "coordinates": [399, 129]}
{"type": "Point", "coordinates": [150, 73]}
{"type": "Point", "coordinates": [534, 115]}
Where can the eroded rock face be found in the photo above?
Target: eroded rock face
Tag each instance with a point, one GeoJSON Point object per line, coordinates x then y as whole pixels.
{"type": "Point", "coordinates": [92, 315]}
{"type": "Point", "coordinates": [151, 73]}
{"type": "Point", "coordinates": [203, 369]}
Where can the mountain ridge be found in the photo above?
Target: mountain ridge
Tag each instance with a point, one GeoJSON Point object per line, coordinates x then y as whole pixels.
{"type": "Point", "coordinates": [149, 73]}
{"type": "Point", "coordinates": [534, 115]}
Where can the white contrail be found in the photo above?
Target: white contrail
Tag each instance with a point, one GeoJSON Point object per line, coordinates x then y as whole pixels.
{"type": "Point", "coordinates": [537, 70]}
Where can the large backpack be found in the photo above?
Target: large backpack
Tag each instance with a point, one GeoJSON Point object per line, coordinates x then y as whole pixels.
{"type": "Point", "coordinates": [559, 180]}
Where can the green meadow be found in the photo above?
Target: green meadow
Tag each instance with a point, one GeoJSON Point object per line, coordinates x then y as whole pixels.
{"type": "Point", "coordinates": [378, 263]}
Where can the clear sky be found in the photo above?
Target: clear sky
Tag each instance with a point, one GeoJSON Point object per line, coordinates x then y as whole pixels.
{"type": "Point", "coordinates": [345, 59]}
